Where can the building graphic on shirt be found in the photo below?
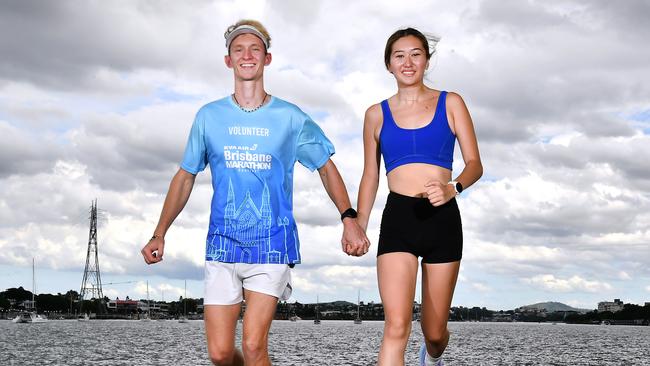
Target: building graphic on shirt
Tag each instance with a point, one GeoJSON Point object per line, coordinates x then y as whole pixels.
{"type": "Point", "coordinates": [246, 234]}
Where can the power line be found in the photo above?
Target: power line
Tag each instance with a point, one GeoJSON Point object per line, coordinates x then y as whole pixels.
{"type": "Point", "coordinates": [119, 283]}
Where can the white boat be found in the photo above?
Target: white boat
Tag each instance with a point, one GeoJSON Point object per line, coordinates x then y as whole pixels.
{"type": "Point", "coordinates": [357, 320]}
{"type": "Point", "coordinates": [292, 314]}
{"type": "Point", "coordinates": [317, 313]}
{"type": "Point", "coordinates": [147, 315]}
{"type": "Point", "coordinates": [33, 316]}
{"type": "Point", "coordinates": [38, 318]}
{"type": "Point", "coordinates": [183, 318]}
{"type": "Point", "coordinates": [23, 317]}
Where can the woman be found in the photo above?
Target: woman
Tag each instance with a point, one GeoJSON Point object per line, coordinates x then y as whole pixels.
{"type": "Point", "coordinates": [415, 130]}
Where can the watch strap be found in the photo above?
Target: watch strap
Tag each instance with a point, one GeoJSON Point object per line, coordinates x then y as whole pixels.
{"type": "Point", "coordinates": [457, 186]}
{"type": "Point", "coordinates": [350, 212]}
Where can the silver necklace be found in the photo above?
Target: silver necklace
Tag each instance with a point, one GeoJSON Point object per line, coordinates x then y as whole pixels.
{"type": "Point", "coordinates": [249, 110]}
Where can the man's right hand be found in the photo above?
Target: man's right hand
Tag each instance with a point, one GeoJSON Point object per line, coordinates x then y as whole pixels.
{"type": "Point", "coordinates": [153, 251]}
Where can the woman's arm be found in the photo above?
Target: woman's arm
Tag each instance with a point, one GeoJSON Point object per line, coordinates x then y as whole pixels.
{"type": "Point", "coordinates": [461, 125]}
{"type": "Point", "coordinates": [464, 130]}
{"type": "Point", "coordinates": [371, 160]}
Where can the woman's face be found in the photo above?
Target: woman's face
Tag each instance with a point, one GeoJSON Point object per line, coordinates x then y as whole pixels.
{"type": "Point", "coordinates": [408, 60]}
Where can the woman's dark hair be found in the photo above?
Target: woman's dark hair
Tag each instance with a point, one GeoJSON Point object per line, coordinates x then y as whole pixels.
{"type": "Point", "coordinates": [404, 33]}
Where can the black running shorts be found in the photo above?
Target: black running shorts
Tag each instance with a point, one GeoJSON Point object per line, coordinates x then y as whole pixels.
{"type": "Point", "coordinates": [413, 225]}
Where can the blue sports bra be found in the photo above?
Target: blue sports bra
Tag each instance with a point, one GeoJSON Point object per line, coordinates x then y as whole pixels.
{"type": "Point", "coordinates": [431, 144]}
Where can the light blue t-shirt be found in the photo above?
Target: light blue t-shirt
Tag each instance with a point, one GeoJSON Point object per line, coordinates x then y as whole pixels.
{"type": "Point", "coordinates": [251, 157]}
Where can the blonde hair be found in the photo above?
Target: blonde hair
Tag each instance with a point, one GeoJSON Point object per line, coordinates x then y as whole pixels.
{"type": "Point", "coordinates": [252, 23]}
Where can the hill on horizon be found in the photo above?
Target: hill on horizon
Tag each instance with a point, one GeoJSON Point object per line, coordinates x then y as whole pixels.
{"type": "Point", "coordinates": [553, 306]}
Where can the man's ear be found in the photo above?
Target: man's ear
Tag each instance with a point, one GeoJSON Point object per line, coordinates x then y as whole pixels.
{"type": "Point", "coordinates": [267, 59]}
{"type": "Point", "coordinates": [228, 61]}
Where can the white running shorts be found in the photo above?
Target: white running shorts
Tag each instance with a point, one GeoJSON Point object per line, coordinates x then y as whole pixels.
{"type": "Point", "coordinates": [225, 282]}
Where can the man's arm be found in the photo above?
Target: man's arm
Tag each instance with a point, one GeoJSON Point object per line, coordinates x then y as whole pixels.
{"type": "Point", "coordinates": [354, 241]}
{"type": "Point", "coordinates": [177, 196]}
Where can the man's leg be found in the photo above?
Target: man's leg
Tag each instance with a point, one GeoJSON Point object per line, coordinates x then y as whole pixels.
{"type": "Point", "coordinates": [220, 323]}
{"type": "Point", "coordinates": [260, 309]}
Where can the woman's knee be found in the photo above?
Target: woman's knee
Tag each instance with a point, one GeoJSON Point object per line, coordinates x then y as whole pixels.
{"type": "Point", "coordinates": [436, 335]}
{"type": "Point", "coordinates": [397, 328]}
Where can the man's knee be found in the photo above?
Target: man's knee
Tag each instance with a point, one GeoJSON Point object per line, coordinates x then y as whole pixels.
{"type": "Point", "coordinates": [254, 347]}
{"type": "Point", "coordinates": [222, 357]}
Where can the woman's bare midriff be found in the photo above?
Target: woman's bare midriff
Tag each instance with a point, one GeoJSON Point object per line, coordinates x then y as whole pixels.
{"type": "Point", "coordinates": [409, 179]}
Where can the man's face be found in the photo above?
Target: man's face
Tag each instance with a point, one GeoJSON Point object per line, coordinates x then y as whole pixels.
{"type": "Point", "coordinates": [247, 57]}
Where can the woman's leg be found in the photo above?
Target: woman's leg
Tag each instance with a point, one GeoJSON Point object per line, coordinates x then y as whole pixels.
{"type": "Point", "coordinates": [438, 283]}
{"type": "Point", "coordinates": [396, 274]}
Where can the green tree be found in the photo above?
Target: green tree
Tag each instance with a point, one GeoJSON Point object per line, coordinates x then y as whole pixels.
{"type": "Point", "coordinates": [19, 294]}
{"type": "Point", "coordinates": [4, 303]}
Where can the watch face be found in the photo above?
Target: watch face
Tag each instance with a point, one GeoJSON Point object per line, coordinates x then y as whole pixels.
{"type": "Point", "coordinates": [459, 187]}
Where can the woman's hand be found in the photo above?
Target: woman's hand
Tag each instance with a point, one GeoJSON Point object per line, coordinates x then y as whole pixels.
{"type": "Point", "coordinates": [439, 193]}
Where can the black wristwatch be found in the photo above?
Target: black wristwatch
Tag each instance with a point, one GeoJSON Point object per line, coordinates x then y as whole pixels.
{"type": "Point", "coordinates": [457, 186]}
{"type": "Point", "coordinates": [350, 212]}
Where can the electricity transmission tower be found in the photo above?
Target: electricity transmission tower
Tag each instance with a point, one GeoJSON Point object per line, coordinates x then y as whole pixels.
{"type": "Point", "coordinates": [92, 282]}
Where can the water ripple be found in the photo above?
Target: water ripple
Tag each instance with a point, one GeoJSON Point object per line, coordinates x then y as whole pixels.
{"type": "Point", "coordinates": [330, 343]}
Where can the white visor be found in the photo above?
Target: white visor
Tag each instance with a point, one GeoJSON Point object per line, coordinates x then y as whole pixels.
{"type": "Point", "coordinates": [243, 29]}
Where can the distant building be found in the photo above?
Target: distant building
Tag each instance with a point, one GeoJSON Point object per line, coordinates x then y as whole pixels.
{"type": "Point", "coordinates": [152, 306]}
{"type": "Point", "coordinates": [122, 306]}
{"type": "Point", "coordinates": [502, 317]}
{"type": "Point", "coordinates": [531, 310]}
{"type": "Point", "coordinates": [615, 306]}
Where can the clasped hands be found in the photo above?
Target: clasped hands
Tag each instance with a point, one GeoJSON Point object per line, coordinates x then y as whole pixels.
{"type": "Point", "coordinates": [354, 241]}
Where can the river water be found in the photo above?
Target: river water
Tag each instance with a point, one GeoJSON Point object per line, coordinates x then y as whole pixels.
{"type": "Point", "coordinates": [106, 342]}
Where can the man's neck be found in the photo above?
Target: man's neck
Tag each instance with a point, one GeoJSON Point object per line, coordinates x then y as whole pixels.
{"type": "Point", "coordinates": [249, 94]}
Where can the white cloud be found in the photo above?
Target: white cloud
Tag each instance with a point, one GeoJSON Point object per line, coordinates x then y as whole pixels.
{"type": "Point", "coordinates": [565, 189]}
{"type": "Point", "coordinates": [481, 287]}
{"type": "Point", "coordinates": [573, 284]}
{"type": "Point", "coordinates": [624, 276]}
{"type": "Point", "coordinates": [580, 304]}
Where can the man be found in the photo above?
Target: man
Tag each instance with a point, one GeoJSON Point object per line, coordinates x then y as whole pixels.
{"type": "Point", "coordinates": [251, 141]}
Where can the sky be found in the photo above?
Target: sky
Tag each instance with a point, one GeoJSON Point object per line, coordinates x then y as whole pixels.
{"type": "Point", "coordinates": [97, 99]}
